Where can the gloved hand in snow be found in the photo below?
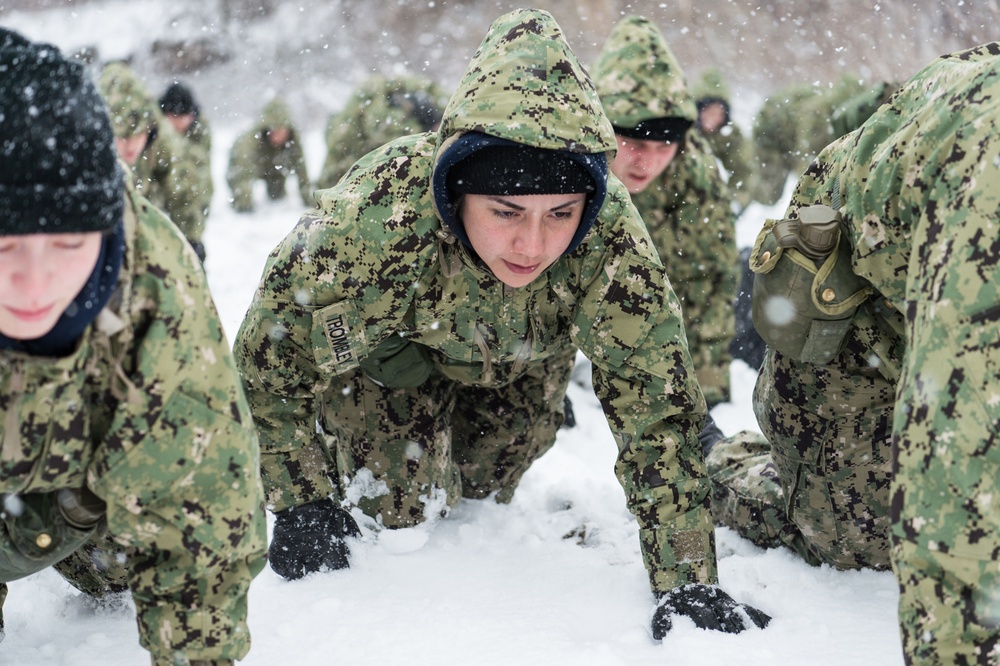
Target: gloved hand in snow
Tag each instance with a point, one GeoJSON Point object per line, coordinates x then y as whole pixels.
{"type": "Point", "coordinates": [309, 537]}
{"type": "Point", "coordinates": [708, 606]}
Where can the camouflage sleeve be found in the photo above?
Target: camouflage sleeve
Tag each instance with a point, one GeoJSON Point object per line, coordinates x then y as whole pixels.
{"type": "Point", "coordinates": [704, 268]}
{"type": "Point", "coordinates": [629, 325]}
{"type": "Point", "coordinates": [242, 171]}
{"type": "Point", "coordinates": [179, 468]}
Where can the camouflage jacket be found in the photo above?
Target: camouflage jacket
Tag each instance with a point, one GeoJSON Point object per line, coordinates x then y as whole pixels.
{"type": "Point", "coordinates": [919, 189]}
{"type": "Point", "coordinates": [687, 212]}
{"type": "Point", "coordinates": [166, 174]}
{"type": "Point", "coordinates": [252, 157]}
{"type": "Point", "coordinates": [378, 112]}
{"type": "Point", "coordinates": [376, 260]}
{"type": "Point", "coordinates": [149, 414]}
{"type": "Point", "coordinates": [196, 144]}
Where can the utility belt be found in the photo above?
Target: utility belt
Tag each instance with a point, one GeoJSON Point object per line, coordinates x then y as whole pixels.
{"type": "Point", "coordinates": [805, 292]}
{"type": "Point", "coordinates": [39, 529]}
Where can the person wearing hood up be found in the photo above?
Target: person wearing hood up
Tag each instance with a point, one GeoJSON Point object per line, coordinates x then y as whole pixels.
{"type": "Point", "coordinates": [725, 137]}
{"type": "Point", "coordinates": [677, 187]}
{"type": "Point", "coordinates": [879, 297]}
{"type": "Point", "coordinates": [270, 151]}
{"type": "Point", "coordinates": [164, 173]}
{"type": "Point", "coordinates": [411, 339]}
{"type": "Point", "coordinates": [130, 460]}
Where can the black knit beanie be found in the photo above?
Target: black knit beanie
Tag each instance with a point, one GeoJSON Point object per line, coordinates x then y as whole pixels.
{"type": "Point", "coordinates": [670, 130]}
{"type": "Point", "coordinates": [516, 170]}
{"type": "Point", "coordinates": [58, 166]}
{"type": "Point", "coordinates": [177, 100]}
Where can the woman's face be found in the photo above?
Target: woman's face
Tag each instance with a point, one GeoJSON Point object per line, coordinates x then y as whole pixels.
{"type": "Point", "coordinates": [639, 162]}
{"type": "Point", "coordinates": [518, 237]}
{"type": "Point", "coordinates": [40, 275]}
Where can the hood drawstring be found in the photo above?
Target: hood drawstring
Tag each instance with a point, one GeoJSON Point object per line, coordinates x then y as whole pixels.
{"type": "Point", "coordinates": [448, 259]}
{"type": "Point", "coordinates": [107, 326]}
{"type": "Point", "coordinates": [480, 339]}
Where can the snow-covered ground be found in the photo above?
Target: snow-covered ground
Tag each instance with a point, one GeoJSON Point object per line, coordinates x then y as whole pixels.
{"type": "Point", "coordinates": [556, 577]}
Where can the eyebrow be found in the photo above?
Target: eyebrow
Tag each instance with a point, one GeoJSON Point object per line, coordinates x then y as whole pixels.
{"type": "Point", "coordinates": [511, 204]}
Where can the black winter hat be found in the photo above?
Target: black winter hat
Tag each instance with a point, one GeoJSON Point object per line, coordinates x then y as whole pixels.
{"type": "Point", "coordinates": [670, 130]}
{"type": "Point", "coordinates": [517, 169]}
{"type": "Point", "coordinates": [58, 166]}
{"type": "Point", "coordinates": [177, 100]}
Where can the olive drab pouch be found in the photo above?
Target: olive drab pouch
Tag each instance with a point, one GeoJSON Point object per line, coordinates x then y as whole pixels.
{"type": "Point", "coordinates": [39, 529]}
{"type": "Point", "coordinates": [805, 293]}
{"type": "Point", "coordinates": [398, 363]}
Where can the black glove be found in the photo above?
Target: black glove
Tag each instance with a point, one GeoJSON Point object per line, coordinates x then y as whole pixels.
{"type": "Point", "coordinates": [569, 418]}
{"type": "Point", "coordinates": [309, 537]}
{"type": "Point", "coordinates": [709, 435]}
{"type": "Point", "coordinates": [708, 606]}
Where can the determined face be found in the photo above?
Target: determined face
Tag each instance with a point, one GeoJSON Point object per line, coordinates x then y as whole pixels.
{"type": "Point", "coordinates": [40, 275]}
{"type": "Point", "coordinates": [639, 162]}
{"type": "Point", "coordinates": [518, 237]}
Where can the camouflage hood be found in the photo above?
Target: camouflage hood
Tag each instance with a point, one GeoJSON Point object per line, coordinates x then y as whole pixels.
{"type": "Point", "coordinates": [525, 85]}
{"type": "Point", "coordinates": [132, 109]}
{"type": "Point", "coordinates": [711, 85]}
{"type": "Point", "coordinates": [639, 78]}
{"type": "Point", "coordinates": [276, 114]}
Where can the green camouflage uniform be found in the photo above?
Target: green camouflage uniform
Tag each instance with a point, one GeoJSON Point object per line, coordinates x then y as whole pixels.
{"type": "Point", "coordinates": [889, 453]}
{"type": "Point", "coordinates": [777, 142]}
{"type": "Point", "coordinates": [379, 111]}
{"type": "Point", "coordinates": [815, 116]}
{"type": "Point", "coordinates": [166, 174]}
{"type": "Point", "coordinates": [728, 143]}
{"type": "Point", "coordinates": [687, 211]}
{"type": "Point", "coordinates": [375, 268]}
{"type": "Point", "coordinates": [147, 414]}
{"type": "Point", "coordinates": [253, 158]}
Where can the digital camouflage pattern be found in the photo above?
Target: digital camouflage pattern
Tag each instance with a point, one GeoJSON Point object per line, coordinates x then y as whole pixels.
{"type": "Point", "coordinates": [375, 266]}
{"type": "Point", "coordinates": [253, 158]}
{"type": "Point", "coordinates": [728, 143]}
{"type": "Point", "coordinates": [850, 115]}
{"type": "Point", "coordinates": [919, 186]}
{"type": "Point", "coordinates": [815, 116]}
{"type": "Point", "coordinates": [166, 174]}
{"type": "Point", "coordinates": [380, 110]}
{"type": "Point", "coordinates": [148, 413]}
{"type": "Point", "coordinates": [687, 212]}
{"type": "Point", "coordinates": [196, 150]}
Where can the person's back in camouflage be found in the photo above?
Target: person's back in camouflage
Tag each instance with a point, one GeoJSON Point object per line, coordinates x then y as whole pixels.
{"type": "Point", "coordinates": [380, 110]}
{"type": "Point", "coordinates": [256, 155]}
{"type": "Point", "coordinates": [816, 114]}
{"type": "Point", "coordinates": [430, 378]}
{"type": "Point", "coordinates": [686, 209]}
{"type": "Point", "coordinates": [776, 139]}
{"type": "Point", "coordinates": [726, 139]}
{"type": "Point", "coordinates": [888, 453]}
{"type": "Point", "coordinates": [850, 115]}
{"type": "Point", "coordinates": [165, 174]}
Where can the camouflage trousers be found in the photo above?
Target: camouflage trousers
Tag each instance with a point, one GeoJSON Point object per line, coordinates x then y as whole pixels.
{"type": "Point", "coordinates": [818, 480]}
{"type": "Point", "coordinates": [405, 455]}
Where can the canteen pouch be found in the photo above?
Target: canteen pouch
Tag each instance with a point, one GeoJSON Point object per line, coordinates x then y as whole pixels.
{"type": "Point", "coordinates": [398, 363]}
{"type": "Point", "coordinates": [805, 293]}
{"type": "Point", "coordinates": [39, 529]}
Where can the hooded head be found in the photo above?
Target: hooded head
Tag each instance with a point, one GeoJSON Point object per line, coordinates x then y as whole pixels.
{"type": "Point", "coordinates": [58, 169]}
{"type": "Point", "coordinates": [641, 84]}
{"type": "Point", "coordinates": [524, 94]}
{"type": "Point", "coordinates": [177, 100]}
{"type": "Point", "coordinates": [132, 109]}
